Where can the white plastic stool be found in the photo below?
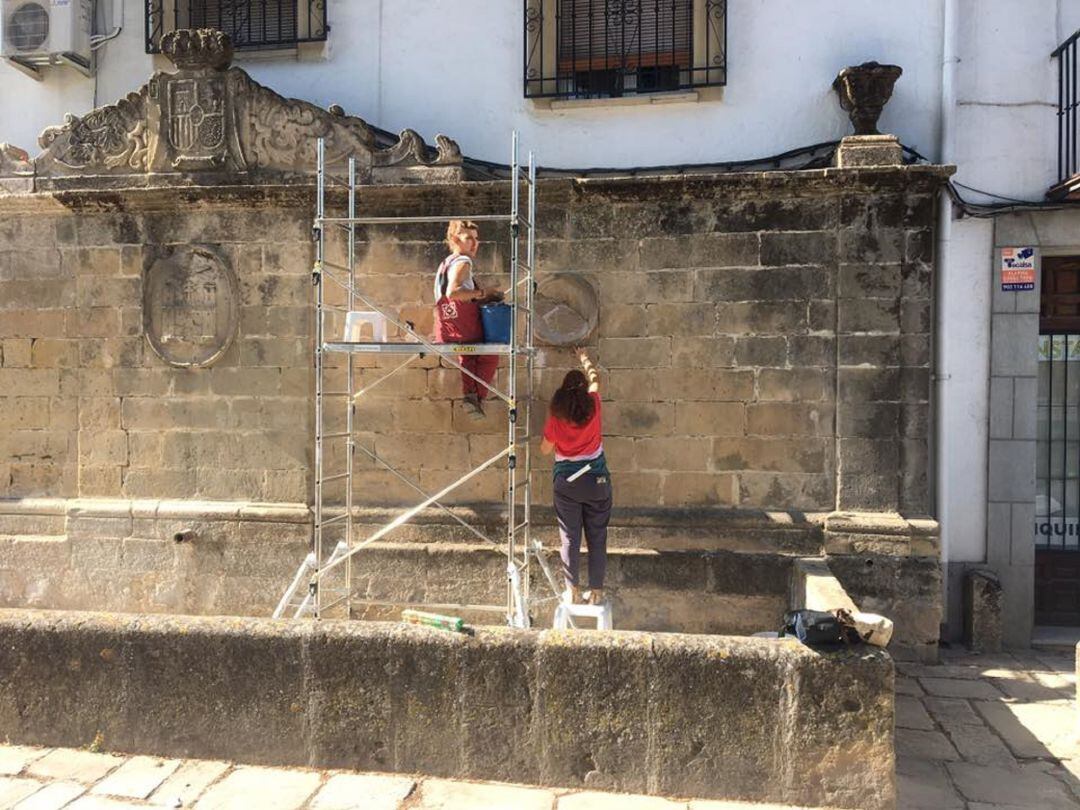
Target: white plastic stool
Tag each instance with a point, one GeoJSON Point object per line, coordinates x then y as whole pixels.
{"type": "Point", "coordinates": [354, 323]}
{"type": "Point", "coordinates": [567, 610]}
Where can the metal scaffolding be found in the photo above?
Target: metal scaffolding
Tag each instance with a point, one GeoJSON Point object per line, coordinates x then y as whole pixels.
{"type": "Point", "coordinates": [324, 580]}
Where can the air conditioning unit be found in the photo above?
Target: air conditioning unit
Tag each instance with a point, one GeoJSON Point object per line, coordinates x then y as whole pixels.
{"type": "Point", "coordinates": [47, 32]}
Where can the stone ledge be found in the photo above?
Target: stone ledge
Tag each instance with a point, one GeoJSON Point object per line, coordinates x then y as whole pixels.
{"type": "Point", "coordinates": [690, 715]}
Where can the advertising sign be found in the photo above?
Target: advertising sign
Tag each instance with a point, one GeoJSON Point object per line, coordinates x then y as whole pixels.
{"type": "Point", "coordinates": [1017, 269]}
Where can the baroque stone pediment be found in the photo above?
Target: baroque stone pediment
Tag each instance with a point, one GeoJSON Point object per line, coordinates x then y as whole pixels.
{"type": "Point", "coordinates": [208, 117]}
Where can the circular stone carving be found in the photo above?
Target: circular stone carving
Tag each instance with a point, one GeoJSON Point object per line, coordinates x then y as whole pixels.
{"type": "Point", "coordinates": [190, 306]}
{"type": "Point", "coordinates": [567, 309]}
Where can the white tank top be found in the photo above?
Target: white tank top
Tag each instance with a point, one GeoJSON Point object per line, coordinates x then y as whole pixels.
{"type": "Point", "coordinates": [443, 274]}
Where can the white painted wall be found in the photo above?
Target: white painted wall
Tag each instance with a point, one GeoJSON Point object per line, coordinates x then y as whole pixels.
{"type": "Point", "coordinates": [999, 129]}
{"type": "Point", "coordinates": [454, 66]}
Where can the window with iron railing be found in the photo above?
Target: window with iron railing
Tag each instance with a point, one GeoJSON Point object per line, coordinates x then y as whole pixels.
{"type": "Point", "coordinates": [1067, 103]}
{"type": "Point", "coordinates": [250, 24]}
{"type": "Point", "coordinates": [611, 48]}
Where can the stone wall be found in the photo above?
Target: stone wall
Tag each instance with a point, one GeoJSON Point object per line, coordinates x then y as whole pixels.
{"type": "Point", "coordinates": [736, 311]}
{"type": "Point", "coordinates": [667, 714]}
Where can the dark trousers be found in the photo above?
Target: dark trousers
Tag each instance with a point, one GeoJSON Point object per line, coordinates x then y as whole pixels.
{"type": "Point", "coordinates": [584, 503]}
{"type": "Point", "coordinates": [483, 366]}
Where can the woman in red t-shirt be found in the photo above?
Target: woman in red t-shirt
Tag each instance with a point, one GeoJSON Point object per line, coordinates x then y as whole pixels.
{"type": "Point", "coordinates": [582, 483]}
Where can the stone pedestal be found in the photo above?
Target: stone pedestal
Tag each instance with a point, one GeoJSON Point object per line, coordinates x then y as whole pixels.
{"type": "Point", "coordinates": [982, 611]}
{"type": "Point", "coordinates": [869, 150]}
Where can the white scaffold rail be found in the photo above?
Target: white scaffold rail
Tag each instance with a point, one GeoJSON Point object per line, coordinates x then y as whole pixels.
{"type": "Point", "coordinates": [325, 581]}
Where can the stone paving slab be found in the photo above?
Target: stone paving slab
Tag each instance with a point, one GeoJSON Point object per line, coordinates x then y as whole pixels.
{"type": "Point", "coordinates": [616, 801]}
{"type": "Point", "coordinates": [13, 790]}
{"type": "Point", "coordinates": [925, 785]}
{"type": "Point", "coordinates": [347, 791]}
{"type": "Point", "coordinates": [949, 687]}
{"type": "Point", "coordinates": [52, 796]}
{"type": "Point", "coordinates": [442, 794]}
{"type": "Point", "coordinates": [262, 788]}
{"type": "Point", "coordinates": [980, 745]}
{"type": "Point", "coordinates": [910, 713]}
{"type": "Point", "coordinates": [13, 758]}
{"type": "Point", "coordinates": [102, 803]}
{"type": "Point", "coordinates": [1031, 730]}
{"type": "Point", "coordinates": [78, 766]}
{"type": "Point", "coordinates": [137, 778]}
{"type": "Point", "coordinates": [188, 782]}
{"type": "Point", "coordinates": [1020, 786]}
{"type": "Point", "coordinates": [931, 745]}
{"type": "Point", "coordinates": [952, 713]}
{"type": "Point", "coordinates": [908, 686]}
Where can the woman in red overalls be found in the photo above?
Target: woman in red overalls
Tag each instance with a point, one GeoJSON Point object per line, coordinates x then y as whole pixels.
{"type": "Point", "coordinates": [457, 310]}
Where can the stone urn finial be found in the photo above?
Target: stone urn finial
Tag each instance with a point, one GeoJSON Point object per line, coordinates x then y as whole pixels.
{"type": "Point", "coordinates": [864, 89]}
{"type": "Point", "coordinates": [198, 49]}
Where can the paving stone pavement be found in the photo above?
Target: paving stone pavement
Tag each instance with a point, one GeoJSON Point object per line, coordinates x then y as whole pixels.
{"type": "Point", "coordinates": [988, 732]}
{"type": "Point", "coordinates": [976, 732]}
{"type": "Point", "coordinates": [51, 779]}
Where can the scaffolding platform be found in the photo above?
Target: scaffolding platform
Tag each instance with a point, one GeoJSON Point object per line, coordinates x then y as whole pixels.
{"type": "Point", "coordinates": [325, 578]}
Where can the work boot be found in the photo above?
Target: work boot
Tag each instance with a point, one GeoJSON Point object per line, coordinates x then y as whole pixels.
{"type": "Point", "coordinates": [471, 406]}
{"type": "Point", "coordinates": [573, 595]}
{"type": "Point", "coordinates": [596, 596]}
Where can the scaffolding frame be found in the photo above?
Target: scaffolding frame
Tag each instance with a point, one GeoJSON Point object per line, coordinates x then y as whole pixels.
{"type": "Point", "coordinates": [311, 591]}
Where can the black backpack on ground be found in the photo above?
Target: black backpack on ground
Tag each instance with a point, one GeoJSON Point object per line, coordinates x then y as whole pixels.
{"type": "Point", "coordinates": [817, 628]}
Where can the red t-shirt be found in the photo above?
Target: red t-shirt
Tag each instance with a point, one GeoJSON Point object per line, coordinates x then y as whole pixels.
{"type": "Point", "coordinates": [572, 441]}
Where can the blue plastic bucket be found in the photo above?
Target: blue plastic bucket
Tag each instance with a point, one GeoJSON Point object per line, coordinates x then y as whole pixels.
{"type": "Point", "coordinates": [496, 321]}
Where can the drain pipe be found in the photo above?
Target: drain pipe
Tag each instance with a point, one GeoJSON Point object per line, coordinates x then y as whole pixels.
{"type": "Point", "coordinates": [939, 374]}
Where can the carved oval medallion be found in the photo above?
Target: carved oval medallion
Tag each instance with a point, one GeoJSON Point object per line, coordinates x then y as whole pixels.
{"type": "Point", "coordinates": [190, 306]}
{"type": "Point", "coordinates": [567, 309]}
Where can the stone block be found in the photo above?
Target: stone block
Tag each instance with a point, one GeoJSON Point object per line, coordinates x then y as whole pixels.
{"type": "Point", "coordinates": [703, 352]}
{"type": "Point", "coordinates": [634, 352]}
{"type": "Point", "coordinates": [1012, 470]}
{"type": "Point", "coordinates": [30, 382]}
{"type": "Point", "coordinates": [872, 246]}
{"type": "Point", "coordinates": [863, 491]}
{"type": "Point", "coordinates": [24, 413]}
{"type": "Point", "coordinates": [54, 353]}
{"type": "Point", "coordinates": [797, 247]}
{"type": "Point", "coordinates": [802, 455]}
{"type": "Point", "coordinates": [764, 283]}
{"type": "Point", "coordinates": [762, 318]}
{"type": "Point", "coordinates": [621, 320]}
{"type": "Point", "coordinates": [764, 490]}
{"type": "Point", "coordinates": [90, 261]}
{"type": "Point", "coordinates": [671, 454]}
{"type": "Point", "coordinates": [680, 320]}
{"type": "Point", "coordinates": [869, 150]}
{"type": "Point", "coordinates": [710, 418]}
{"type": "Point", "coordinates": [982, 611]}
{"type": "Point", "coordinates": [700, 250]}
{"type": "Point", "coordinates": [249, 381]}
{"type": "Point", "coordinates": [869, 384]}
{"type": "Point", "coordinates": [700, 489]}
{"type": "Point", "coordinates": [137, 778]}
{"type": "Point", "coordinates": [870, 280]}
{"type": "Point", "coordinates": [869, 350]}
{"type": "Point", "coordinates": [792, 385]}
{"type": "Point", "coordinates": [787, 419]}
{"type": "Point", "coordinates": [874, 315]}
{"type": "Point", "coordinates": [916, 316]}
{"type": "Point", "coordinates": [811, 350]}
{"type": "Point", "coordinates": [620, 287]}
{"type": "Point", "coordinates": [33, 323]}
{"type": "Point", "coordinates": [1012, 350]}
{"type": "Point", "coordinates": [868, 456]}
{"type": "Point", "coordinates": [761, 351]}
{"type": "Point", "coordinates": [83, 767]}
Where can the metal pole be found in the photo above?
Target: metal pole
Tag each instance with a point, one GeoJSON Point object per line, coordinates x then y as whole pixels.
{"type": "Point", "coordinates": [320, 253]}
{"type": "Point", "coordinates": [511, 472]}
{"type": "Point", "coordinates": [350, 405]}
{"type": "Point", "coordinates": [530, 285]}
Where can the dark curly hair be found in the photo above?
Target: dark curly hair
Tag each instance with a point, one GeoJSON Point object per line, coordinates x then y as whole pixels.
{"type": "Point", "coordinates": [571, 401]}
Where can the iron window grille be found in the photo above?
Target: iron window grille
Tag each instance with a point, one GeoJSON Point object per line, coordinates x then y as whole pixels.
{"type": "Point", "coordinates": [611, 48]}
{"type": "Point", "coordinates": [250, 24]}
{"type": "Point", "coordinates": [1067, 103]}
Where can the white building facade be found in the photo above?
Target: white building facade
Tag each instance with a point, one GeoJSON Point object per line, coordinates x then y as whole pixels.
{"type": "Point", "coordinates": [737, 81]}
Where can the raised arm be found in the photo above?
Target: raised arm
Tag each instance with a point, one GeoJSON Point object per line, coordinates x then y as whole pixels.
{"type": "Point", "coordinates": [590, 371]}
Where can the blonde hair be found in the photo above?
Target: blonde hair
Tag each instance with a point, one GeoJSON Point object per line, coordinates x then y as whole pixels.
{"type": "Point", "coordinates": [456, 228]}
